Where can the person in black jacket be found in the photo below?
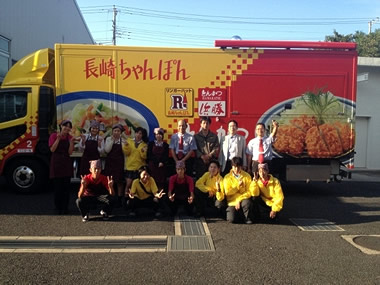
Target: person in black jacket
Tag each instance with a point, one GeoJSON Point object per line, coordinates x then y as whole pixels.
{"type": "Point", "coordinates": [158, 156]}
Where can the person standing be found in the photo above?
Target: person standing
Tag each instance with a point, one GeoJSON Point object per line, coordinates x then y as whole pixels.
{"type": "Point", "coordinates": [135, 151]}
{"type": "Point", "coordinates": [259, 149]}
{"type": "Point", "coordinates": [232, 145]}
{"type": "Point", "coordinates": [266, 193]}
{"type": "Point", "coordinates": [158, 156]}
{"type": "Point", "coordinates": [61, 167]}
{"type": "Point", "coordinates": [182, 147]}
{"type": "Point", "coordinates": [207, 147]}
{"type": "Point", "coordinates": [92, 145]}
{"type": "Point", "coordinates": [95, 189]}
{"type": "Point", "coordinates": [237, 193]}
{"type": "Point", "coordinates": [114, 165]}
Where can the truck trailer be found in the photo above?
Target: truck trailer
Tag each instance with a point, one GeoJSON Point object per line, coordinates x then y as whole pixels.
{"type": "Point", "coordinates": [308, 87]}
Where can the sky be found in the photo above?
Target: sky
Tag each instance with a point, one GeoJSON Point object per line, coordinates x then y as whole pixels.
{"type": "Point", "coordinates": [198, 23]}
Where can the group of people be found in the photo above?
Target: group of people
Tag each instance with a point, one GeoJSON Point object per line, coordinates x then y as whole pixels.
{"type": "Point", "coordinates": [193, 172]}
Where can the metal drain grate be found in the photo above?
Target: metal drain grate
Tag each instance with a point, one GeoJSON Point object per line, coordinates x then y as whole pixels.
{"type": "Point", "coordinates": [190, 243]}
{"type": "Point", "coordinates": [191, 227]}
{"type": "Point", "coordinates": [316, 225]}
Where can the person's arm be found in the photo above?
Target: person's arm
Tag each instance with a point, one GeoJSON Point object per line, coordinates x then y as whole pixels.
{"type": "Point", "coordinates": [54, 141]}
{"type": "Point", "coordinates": [71, 146]}
{"type": "Point", "coordinates": [278, 197]}
{"type": "Point", "coordinates": [201, 183]}
{"type": "Point", "coordinates": [100, 145]}
{"type": "Point", "coordinates": [83, 185]}
{"type": "Point", "coordinates": [274, 129]}
{"type": "Point", "coordinates": [108, 145]}
{"type": "Point", "coordinates": [127, 148]}
{"type": "Point", "coordinates": [188, 155]}
{"type": "Point", "coordinates": [190, 182]}
{"type": "Point", "coordinates": [143, 150]}
{"type": "Point", "coordinates": [82, 142]}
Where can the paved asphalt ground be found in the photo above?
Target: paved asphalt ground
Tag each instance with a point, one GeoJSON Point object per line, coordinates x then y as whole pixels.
{"type": "Point", "coordinates": [261, 253]}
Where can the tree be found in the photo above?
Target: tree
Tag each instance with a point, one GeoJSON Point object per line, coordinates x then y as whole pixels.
{"type": "Point", "coordinates": [367, 44]}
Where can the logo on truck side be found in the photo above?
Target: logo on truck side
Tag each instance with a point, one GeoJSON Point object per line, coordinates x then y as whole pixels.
{"type": "Point", "coordinates": [147, 70]}
{"type": "Point", "coordinates": [179, 101]}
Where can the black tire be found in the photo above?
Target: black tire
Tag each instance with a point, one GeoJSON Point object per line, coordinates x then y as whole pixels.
{"type": "Point", "coordinates": [27, 176]}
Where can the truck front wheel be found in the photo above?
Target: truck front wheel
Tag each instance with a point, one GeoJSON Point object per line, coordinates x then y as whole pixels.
{"type": "Point", "coordinates": [26, 176]}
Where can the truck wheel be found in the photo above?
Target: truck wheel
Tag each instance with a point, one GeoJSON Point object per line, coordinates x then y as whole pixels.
{"type": "Point", "coordinates": [26, 176]}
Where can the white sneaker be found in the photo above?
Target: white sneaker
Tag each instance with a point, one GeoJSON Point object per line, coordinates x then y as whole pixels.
{"type": "Point", "coordinates": [85, 218]}
{"type": "Point", "coordinates": [104, 215]}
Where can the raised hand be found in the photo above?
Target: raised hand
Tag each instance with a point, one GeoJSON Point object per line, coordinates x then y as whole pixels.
{"type": "Point", "coordinates": [160, 194]}
{"type": "Point", "coordinates": [110, 181]}
{"type": "Point", "coordinates": [83, 181]}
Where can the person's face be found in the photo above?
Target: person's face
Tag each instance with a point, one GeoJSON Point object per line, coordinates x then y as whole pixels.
{"type": "Point", "coordinates": [159, 137]}
{"type": "Point", "coordinates": [260, 130]}
{"type": "Point", "coordinates": [263, 173]}
{"type": "Point", "coordinates": [182, 126]}
{"type": "Point", "coordinates": [232, 128]}
{"type": "Point", "coordinates": [236, 169]}
{"type": "Point", "coordinates": [94, 131]}
{"type": "Point", "coordinates": [180, 172]}
{"type": "Point", "coordinates": [213, 169]}
{"type": "Point", "coordinates": [138, 136]}
{"type": "Point", "coordinates": [95, 172]}
{"type": "Point", "coordinates": [205, 126]}
{"type": "Point", "coordinates": [144, 176]}
{"type": "Point", "coordinates": [66, 129]}
{"type": "Point", "coordinates": [116, 132]}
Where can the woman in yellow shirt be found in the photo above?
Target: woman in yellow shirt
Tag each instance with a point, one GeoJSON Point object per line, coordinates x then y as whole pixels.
{"type": "Point", "coordinates": [237, 194]}
{"type": "Point", "coordinates": [208, 188]}
{"type": "Point", "coordinates": [145, 194]}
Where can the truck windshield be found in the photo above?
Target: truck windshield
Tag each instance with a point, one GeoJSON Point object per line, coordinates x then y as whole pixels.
{"type": "Point", "coordinates": [13, 105]}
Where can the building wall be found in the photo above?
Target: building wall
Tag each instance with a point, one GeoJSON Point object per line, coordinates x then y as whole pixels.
{"type": "Point", "coordinates": [368, 115]}
{"type": "Point", "coordinates": [34, 24]}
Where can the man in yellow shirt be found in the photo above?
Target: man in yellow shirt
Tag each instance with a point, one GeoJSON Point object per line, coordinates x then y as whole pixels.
{"type": "Point", "coordinates": [144, 194]}
{"type": "Point", "coordinates": [267, 193]}
{"type": "Point", "coordinates": [237, 194]}
{"type": "Point", "coordinates": [208, 187]}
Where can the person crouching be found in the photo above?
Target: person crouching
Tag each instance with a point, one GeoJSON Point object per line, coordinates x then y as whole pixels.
{"type": "Point", "coordinates": [181, 190]}
{"type": "Point", "coordinates": [144, 194]}
{"type": "Point", "coordinates": [266, 193]}
{"type": "Point", "coordinates": [95, 189]}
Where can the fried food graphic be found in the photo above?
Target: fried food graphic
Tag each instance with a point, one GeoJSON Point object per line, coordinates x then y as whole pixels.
{"type": "Point", "coordinates": [320, 133]}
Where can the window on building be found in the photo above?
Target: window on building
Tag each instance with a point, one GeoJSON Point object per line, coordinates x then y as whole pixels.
{"type": "Point", "coordinates": [4, 57]}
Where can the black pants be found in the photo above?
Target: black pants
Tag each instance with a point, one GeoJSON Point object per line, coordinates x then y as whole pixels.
{"type": "Point", "coordinates": [173, 206]}
{"type": "Point", "coordinates": [260, 210]}
{"type": "Point", "coordinates": [61, 194]}
{"type": "Point", "coordinates": [201, 201]}
{"type": "Point", "coordinates": [243, 214]}
{"type": "Point", "coordinates": [85, 204]}
{"type": "Point", "coordinates": [147, 203]}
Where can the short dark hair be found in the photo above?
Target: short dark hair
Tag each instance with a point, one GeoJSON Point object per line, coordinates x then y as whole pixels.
{"type": "Point", "coordinates": [232, 121]}
{"type": "Point", "coordinates": [215, 162]}
{"type": "Point", "coordinates": [207, 119]}
{"type": "Point", "coordinates": [144, 134]}
{"type": "Point", "coordinates": [144, 168]}
{"type": "Point", "coordinates": [260, 124]}
{"type": "Point", "coordinates": [237, 161]}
